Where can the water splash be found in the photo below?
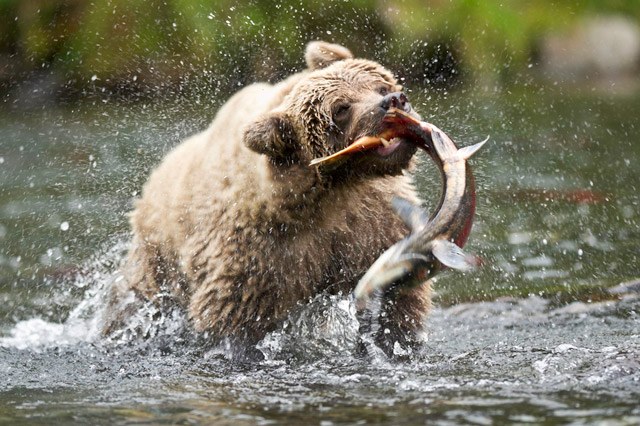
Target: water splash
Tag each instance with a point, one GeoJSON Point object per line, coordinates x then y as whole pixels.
{"type": "Point", "coordinates": [326, 326]}
{"type": "Point", "coordinates": [84, 322]}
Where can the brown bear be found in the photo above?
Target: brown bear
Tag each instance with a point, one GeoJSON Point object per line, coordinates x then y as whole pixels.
{"type": "Point", "coordinates": [237, 228]}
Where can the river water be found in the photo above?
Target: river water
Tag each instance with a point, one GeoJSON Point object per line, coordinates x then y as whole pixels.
{"type": "Point", "coordinates": [547, 332]}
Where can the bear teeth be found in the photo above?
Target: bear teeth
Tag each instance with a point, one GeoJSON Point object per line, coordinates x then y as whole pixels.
{"type": "Point", "coordinates": [385, 142]}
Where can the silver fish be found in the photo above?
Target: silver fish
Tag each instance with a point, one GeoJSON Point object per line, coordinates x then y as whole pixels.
{"type": "Point", "coordinates": [435, 240]}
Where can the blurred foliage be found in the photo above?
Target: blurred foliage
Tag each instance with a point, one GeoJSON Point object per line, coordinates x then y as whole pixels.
{"type": "Point", "coordinates": [497, 38]}
{"type": "Point", "coordinates": [151, 44]}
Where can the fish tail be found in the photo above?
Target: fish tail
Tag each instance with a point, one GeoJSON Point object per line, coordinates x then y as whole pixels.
{"type": "Point", "coordinates": [468, 151]}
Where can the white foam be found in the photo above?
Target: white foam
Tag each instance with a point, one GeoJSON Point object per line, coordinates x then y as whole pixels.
{"type": "Point", "coordinates": [85, 320]}
{"type": "Point", "coordinates": [37, 334]}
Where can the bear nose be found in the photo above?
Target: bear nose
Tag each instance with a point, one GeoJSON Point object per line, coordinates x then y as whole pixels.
{"type": "Point", "coordinates": [396, 100]}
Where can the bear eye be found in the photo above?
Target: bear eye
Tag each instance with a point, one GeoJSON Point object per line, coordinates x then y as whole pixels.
{"type": "Point", "coordinates": [383, 90]}
{"type": "Point", "coordinates": [341, 113]}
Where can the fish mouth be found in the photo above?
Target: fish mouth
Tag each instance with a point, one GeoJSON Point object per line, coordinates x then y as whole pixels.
{"type": "Point", "coordinates": [398, 132]}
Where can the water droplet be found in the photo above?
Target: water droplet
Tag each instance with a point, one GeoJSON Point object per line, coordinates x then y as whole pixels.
{"type": "Point", "coordinates": [64, 226]}
{"type": "Point", "coordinates": [516, 238]}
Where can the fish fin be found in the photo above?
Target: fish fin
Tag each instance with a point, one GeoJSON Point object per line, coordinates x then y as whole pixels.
{"type": "Point", "coordinates": [452, 256]}
{"type": "Point", "coordinates": [412, 215]}
{"type": "Point", "coordinates": [468, 151]}
{"type": "Point", "coordinates": [327, 163]}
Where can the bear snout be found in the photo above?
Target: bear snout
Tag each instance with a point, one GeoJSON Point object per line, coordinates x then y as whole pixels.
{"type": "Point", "coordinates": [396, 100]}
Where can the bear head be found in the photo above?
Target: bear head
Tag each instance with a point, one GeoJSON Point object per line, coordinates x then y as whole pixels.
{"type": "Point", "coordinates": [339, 100]}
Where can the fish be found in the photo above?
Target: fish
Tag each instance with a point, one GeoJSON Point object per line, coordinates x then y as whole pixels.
{"type": "Point", "coordinates": [435, 240]}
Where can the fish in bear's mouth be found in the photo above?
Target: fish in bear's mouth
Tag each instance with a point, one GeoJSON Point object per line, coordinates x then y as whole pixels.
{"type": "Point", "coordinates": [388, 141]}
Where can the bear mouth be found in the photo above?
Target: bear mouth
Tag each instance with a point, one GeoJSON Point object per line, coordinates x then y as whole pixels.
{"type": "Point", "coordinates": [395, 136]}
{"type": "Point", "coordinates": [389, 146]}
{"type": "Point", "coordinates": [379, 145]}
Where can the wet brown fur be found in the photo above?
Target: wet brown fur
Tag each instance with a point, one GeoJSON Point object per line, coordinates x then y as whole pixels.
{"type": "Point", "coordinates": [235, 226]}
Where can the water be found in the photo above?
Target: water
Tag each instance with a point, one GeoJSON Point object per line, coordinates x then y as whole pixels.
{"type": "Point", "coordinates": [536, 336]}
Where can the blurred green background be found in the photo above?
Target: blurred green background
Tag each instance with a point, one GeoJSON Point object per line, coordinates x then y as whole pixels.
{"type": "Point", "coordinates": [150, 47]}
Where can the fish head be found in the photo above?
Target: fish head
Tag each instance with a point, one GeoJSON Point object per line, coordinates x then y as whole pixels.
{"type": "Point", "coordinates": [396, 267]}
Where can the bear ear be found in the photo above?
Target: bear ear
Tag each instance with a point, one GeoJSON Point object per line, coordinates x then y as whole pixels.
{"type": "Point", "coordinates": [320, 54]}
{"type": "Point", "coordinates": [272, 135]}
